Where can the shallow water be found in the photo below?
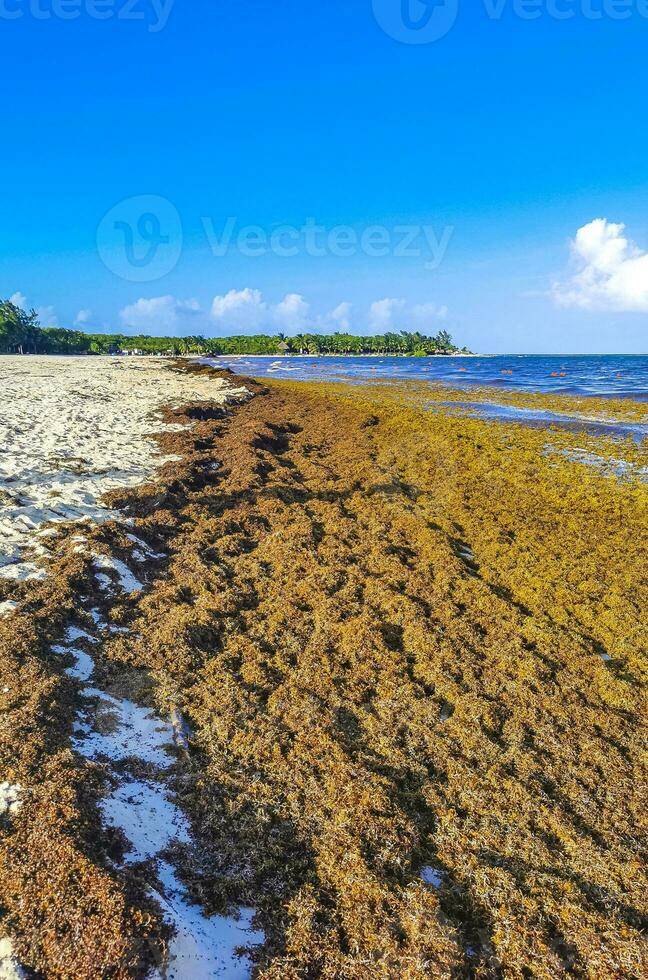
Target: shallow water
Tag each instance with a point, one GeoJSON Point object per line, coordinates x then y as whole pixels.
{"type": "Point", "coordinates": [541, 419]}
{"type": "Point", "coordinates": [603, 376]}
{"type": "Point", "coordinates": [609, 375]}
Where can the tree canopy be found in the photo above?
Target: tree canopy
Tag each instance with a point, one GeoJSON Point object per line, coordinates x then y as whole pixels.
{"type": "Point", "coordinates": [19, 330]}
{"type": "Point", "coordinates": [20, 333]}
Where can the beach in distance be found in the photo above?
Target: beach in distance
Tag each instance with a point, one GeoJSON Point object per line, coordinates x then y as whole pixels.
{"type": "Point", "coordinates": [305, 666]}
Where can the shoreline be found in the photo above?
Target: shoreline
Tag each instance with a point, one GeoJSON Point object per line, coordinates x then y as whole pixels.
{"type": "Point", "coordinates": [379, 639]}
{"type": "Point", "coordinates": [171, 357]}
{"type": "Point", "coordinates": [525, 374]}
{"type": "Point", "coordinates": [329, 355]}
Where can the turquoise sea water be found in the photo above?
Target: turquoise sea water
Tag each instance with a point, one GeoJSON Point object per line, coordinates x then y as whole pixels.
{"type": "Point", "coordinates": [620, 376]}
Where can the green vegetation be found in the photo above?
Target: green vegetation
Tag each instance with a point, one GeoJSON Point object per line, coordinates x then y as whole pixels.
{"type": "Point", "coordinates": [308, 343]}
{"type": "Point", "coordinates": [21, 334]}
{"type": "Point", "coordinates": [18, 330]}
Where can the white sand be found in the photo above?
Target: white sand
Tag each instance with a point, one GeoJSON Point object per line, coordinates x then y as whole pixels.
{"type": "Point", "coordinates": [9, 798]}
{"type": "Point", "coordinates": [10, 968]}
{"type": "Point", "coordinates": [125, 578]}
{"type": "Point", "coordinates": [117, 731]}
{"type": "Point", "coordinates": [72, 428]}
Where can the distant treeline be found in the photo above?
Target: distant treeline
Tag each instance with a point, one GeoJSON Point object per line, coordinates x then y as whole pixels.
{"type": "Point", "coordinates": [20, 333]}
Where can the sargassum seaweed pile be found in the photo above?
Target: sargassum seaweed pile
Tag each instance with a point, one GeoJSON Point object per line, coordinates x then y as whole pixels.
{"type": "Point", "coordinates": [410, 651]}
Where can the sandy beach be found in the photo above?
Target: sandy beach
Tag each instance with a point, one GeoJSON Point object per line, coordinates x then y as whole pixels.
{"type": "Point", "coordinates": [72, 429]}
{"type": "Point", "coordinates": [320, 680]}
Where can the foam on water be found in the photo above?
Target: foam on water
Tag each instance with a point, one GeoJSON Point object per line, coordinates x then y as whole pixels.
{"type": "Point", "coordinates": [603, 375]}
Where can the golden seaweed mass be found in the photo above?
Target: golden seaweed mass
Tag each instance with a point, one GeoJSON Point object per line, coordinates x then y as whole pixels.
{"type": "Point", "coordinates": [403, 640]}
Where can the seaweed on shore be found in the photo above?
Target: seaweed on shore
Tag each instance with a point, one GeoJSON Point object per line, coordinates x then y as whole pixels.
{"type": "Point", "coordinates": [410, 653]}
{"type": "Point", "coordinates": [388, 632]}
{"type": "Point", "coordinates": [70, 914]}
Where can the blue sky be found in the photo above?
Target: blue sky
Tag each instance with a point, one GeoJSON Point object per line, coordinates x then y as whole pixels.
{"type": "Point", "coordinates": [497, 142]}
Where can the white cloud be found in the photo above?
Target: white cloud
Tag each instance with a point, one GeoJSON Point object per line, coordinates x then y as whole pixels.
{"type": "Point", "coordinates": [19, 299]}
{"type": "Point", "coordinates": [245, 310]}
{"type": "Point", "coordinates": [397, 314]}
{"type": "Point", "coordinates": [240, 310]}
{"type": "Point", "coordinates": [426, 315]}
{"type": "Point", "coordinates": [163, 316]}
{"type": "Point", "coordinates": [383, 314]}
{"type": "Point", "coordinates": [47, 317]}
{"type": "Point", "coordinates": [292, 314]}
{"type": "Point", "coordinates": [611, 272]}
{"type": "Point", "coordinates": [83, 318]}
{"type": "Point", "coordinates": [341, 318]}
{"type": "Point", "coordinates": [46, 314]}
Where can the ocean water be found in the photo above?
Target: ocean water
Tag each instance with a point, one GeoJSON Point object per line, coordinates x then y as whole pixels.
{"type": "Point", "coordinates": [537, 418]}
{"type": "Point", "coordinates": [606, 376]}
{"type": "Point", "coordinates": [610, 375]}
